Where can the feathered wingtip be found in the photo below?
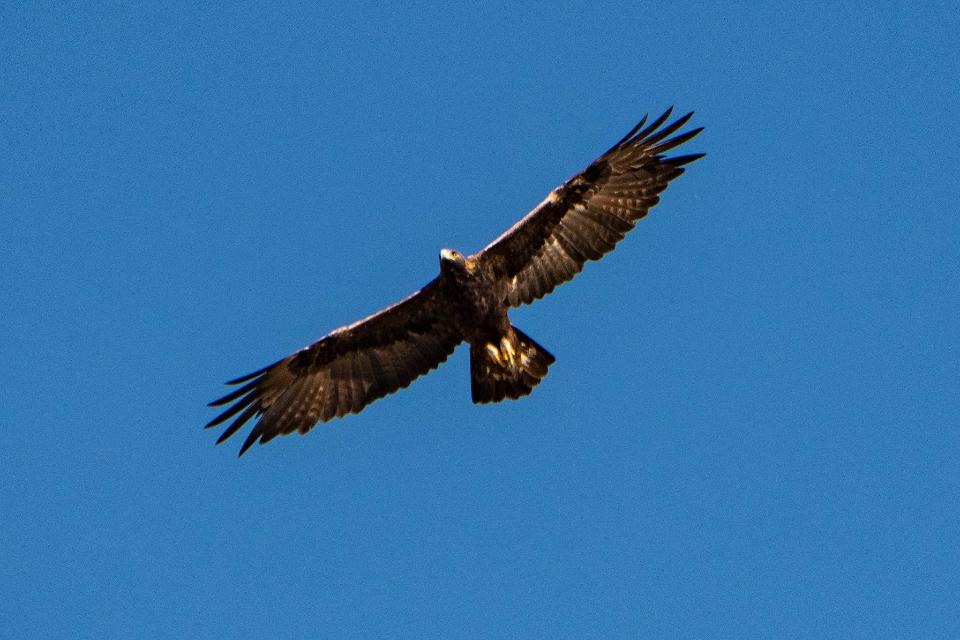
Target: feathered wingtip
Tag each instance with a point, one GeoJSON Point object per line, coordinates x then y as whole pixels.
{"type": "Point", "coordinates": [245, 401]}
{"type": "Point", "coordinates": [650, 138]}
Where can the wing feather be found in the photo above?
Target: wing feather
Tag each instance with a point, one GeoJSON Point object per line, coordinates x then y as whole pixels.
{"type": "Point", "coordinates": [587, 216]}
{"type": "Point", "coordinates": [246, 415]}
{"type": "Point", "coordinates": [329, 394]}
{"type": "Point", "coordinates": [344, 371]}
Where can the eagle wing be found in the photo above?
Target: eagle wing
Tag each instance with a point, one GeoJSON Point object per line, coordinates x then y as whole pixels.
{"type": "Point", "coordinates": [585, 217]}
{"type": "Point", "coordinates": [344, 371]}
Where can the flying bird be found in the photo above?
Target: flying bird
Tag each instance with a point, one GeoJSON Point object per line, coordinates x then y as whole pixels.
{"type": "Point", "coordinates": [350, 367]}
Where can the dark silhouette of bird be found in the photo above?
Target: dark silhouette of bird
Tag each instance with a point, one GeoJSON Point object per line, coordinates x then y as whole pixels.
{"type": "Point", "coordinates": [349, 368]}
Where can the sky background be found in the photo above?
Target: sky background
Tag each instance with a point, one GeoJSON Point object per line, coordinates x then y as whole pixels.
{"type": "Point", "coordinates": [751, 430]}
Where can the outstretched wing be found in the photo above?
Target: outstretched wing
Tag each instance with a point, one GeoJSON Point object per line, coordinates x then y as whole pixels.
{"type": "Point", "coordinates": [344, 371]}
{"type": "Point", "coordinates": [585, 217]}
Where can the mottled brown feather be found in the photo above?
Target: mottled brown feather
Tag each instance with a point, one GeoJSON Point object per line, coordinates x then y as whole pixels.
{"type": "Point", "coordinates": [344, 371]}
{"type": "Point", "coordinates": [587, 216]}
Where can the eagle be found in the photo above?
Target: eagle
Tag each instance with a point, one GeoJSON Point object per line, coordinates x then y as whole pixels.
{"type": "Point", "coordinates": [581, 220]}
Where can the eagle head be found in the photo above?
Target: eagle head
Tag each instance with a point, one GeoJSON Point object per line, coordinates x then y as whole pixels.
{"type": "Point", "coordinates": [450, 259]}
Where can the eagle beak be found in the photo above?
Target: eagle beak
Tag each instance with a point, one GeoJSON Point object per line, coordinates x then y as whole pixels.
{"type": "Point", "coordinates": [451, 258]}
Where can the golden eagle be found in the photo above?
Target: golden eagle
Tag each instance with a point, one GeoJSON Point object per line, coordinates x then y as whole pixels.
{"type": "Point", "coordinates": [580, 220]}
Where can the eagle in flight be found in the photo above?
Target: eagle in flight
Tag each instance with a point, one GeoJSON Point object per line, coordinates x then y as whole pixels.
{"type": "Point", "coordinates": [349, 368]}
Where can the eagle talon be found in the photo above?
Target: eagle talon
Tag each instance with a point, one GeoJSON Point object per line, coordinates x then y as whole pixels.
{"type": "Point", "coordinates": [506, 347]}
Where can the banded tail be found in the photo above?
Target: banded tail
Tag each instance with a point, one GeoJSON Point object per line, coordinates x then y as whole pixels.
{"type": "Point", "coordinates": [508, 369]}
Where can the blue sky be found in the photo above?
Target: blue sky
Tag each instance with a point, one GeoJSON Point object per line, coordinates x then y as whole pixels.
{"type": "Point", "coordinates": [751, 430]}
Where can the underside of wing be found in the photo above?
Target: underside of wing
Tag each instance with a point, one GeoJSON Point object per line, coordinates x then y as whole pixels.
{"type": "Point", "coordinates": [344, 371]}
{"type": "Point", "coordinates": [589, 214]}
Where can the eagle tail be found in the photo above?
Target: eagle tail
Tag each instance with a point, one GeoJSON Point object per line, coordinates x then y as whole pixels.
{"type": "Point", "coordinates": [508, 369]}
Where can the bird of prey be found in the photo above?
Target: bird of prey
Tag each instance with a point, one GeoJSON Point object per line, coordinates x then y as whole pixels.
{"type": "Point", "coordinates": [349, 368]}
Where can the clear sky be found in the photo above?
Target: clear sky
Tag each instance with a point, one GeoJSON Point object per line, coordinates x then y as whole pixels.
{"type": "Point", "coordinates": [751, 430]}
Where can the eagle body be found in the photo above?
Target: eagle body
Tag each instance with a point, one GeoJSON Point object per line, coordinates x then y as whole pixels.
{"type": "Point", "coordinates": [476, 308]}
{"type": "Point", "coordinates": [579, 221]}
{"type": "Point", "coordinates": [504, 362]}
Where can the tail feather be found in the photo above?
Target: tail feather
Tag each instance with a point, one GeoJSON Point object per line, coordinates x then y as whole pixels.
{"type": "Point", "coordinates": [508, 369]}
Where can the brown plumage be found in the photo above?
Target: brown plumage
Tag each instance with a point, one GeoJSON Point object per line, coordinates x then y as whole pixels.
{"type": "Point", "coordinates": [346, 370]}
